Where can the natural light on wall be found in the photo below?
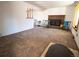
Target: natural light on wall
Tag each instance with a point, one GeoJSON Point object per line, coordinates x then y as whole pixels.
{"type": "Point", "coordinates": [76, 16]}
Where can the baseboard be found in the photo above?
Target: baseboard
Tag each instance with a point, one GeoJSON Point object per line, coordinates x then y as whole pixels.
{"type": "Point", "coordinates": [16, 32]}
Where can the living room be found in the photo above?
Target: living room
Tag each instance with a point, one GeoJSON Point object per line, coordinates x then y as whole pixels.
{"type": "Point", "coordinates": [32, 25]}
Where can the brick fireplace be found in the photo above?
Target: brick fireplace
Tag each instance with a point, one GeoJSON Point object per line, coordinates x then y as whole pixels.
{"type": "Point", "coordinates": [56, 20]}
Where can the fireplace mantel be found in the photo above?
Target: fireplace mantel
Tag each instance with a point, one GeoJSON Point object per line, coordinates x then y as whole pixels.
{"type": "Point", "coordinates": [56, 17]}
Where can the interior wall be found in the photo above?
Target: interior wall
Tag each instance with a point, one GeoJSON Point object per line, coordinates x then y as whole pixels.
{"type": "Point", "coordinates": [54, 11]}
{"type": "Point", "coordinates": [13, 17]}
{"type": "Point", "coordinates": [43, 15]}
{"type": "Point", "coordinates": [76, 33]}
{"type": "Point", "coordinates": [70, 14]}
{"type": "Point", "coordinates": [77, 37]}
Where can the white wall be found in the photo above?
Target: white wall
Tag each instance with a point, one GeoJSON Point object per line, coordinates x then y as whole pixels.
{"type": "Point", "coordinates": [43, 15]}
{"type": "Point", "coordinates": [13, 17]}
{"type": "Point", "coordinates": [69, 13]}
{"type": "Point", "coordinates": [77, 37]}
{"type": "Point", "coordinates": [54, 11]}
{"type": "Point", "coordinates": [70, 17]}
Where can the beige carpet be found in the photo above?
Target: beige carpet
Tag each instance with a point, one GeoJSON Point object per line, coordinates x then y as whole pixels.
{"type": "Point", "coordinates": [33, 42]}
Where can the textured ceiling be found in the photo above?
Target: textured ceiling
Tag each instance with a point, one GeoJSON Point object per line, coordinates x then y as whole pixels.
{"type": "Point", "coordinates": [50, 4]}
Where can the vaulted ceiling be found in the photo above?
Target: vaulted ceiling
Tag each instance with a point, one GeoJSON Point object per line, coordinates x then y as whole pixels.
{"type": "Point", "coordinates": [50, 4]}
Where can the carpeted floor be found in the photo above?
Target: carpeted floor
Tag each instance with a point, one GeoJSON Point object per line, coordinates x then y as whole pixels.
{"type": "Point", "coordinates": [33, 42]}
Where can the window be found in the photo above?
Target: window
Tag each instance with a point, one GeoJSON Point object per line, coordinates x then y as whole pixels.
{"type": "Point", "coordinates": [76, 17]}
